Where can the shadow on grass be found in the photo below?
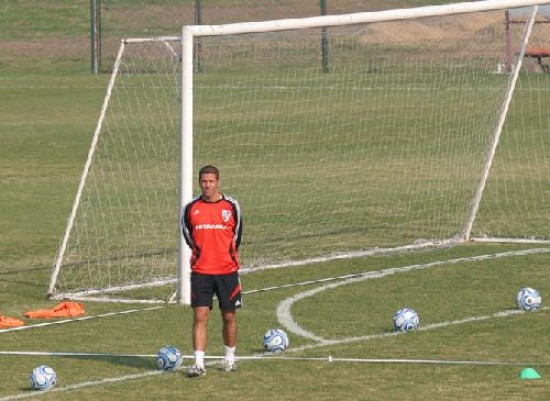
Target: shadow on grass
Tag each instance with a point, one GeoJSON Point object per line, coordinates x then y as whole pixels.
{"type": "Point", "coordinates": [141, 362]}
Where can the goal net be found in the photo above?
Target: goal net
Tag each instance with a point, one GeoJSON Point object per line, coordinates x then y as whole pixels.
{"type": "Point", "coordinates": [341, 136]}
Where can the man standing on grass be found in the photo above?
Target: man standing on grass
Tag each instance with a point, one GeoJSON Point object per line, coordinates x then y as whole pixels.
{"type": "Point", "coordinates": [212, 227]}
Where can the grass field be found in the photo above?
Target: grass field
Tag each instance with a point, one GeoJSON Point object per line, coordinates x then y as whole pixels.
{"type": "Point", "coordinates": [464, 295]}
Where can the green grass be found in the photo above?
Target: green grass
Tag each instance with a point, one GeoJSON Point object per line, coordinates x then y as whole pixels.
{"type": "Point", "coordinates": [361, 309]}
{"type": "Point", "coordinates": [46, 128]}
{"type": "Point", "coordinates": [31, 18]}
{"type": "Point", "coordinates": [49, 110]}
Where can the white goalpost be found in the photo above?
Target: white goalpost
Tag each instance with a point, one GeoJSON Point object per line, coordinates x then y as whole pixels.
{"type": "Point", "coordinates": [414, 136]}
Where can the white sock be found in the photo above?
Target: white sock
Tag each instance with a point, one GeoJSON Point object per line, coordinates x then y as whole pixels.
{"type": "Point", "coordinates": [229, 353]}
{"type": "Point", "coordinates": [199, 358]}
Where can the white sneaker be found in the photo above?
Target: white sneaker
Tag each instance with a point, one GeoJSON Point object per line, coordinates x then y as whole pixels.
{"type": "Point", "coordinates": [196, 371]}
{"type": "Point", "coordinates": [228, 366]}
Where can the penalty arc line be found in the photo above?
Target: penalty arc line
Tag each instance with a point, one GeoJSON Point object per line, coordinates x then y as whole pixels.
{"type": "Point", "coordinates": [428, 327]}
{"type": "Point", "coordinates": [284, 314]}
{"type": "Point", "coordinates": [325, 342]}
{"type": "Point", "coordinates": [297, 349]}
{"type": "Point", "coordinates": [361, 275]}
{"type": "Point", "coordinates": [329, 359]}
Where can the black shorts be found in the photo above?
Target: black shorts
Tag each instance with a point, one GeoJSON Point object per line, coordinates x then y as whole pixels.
{"type": "Point", "coordinates": [227, 288]}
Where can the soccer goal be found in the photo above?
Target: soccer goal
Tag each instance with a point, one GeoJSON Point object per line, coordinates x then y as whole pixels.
{"type": "Point", "coordinates": [401, 131]}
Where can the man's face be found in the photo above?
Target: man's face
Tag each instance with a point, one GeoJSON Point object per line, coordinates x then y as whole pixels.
{"type": "Point", "coordinates": [210, 186]}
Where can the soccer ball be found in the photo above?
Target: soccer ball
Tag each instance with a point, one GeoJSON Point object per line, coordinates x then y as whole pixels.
{"type": "Point", "coordinates": [169, 358]}
{"type": "Point", "coordinates": [275, 341]}
{"type": "Point", "coordinates": [405, 320]}
{"type": "Point", "coordinates": [43, 378]}
{"type": "Point", "coordinates": [528, 299]}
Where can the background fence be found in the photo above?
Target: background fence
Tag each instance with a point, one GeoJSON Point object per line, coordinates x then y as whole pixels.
{"type": "Point", "coordinates": [50, 33]}
{"type": "Point", "coordinates": [64, 28]}
{"type": "Point", "coordinates": [165, 17]}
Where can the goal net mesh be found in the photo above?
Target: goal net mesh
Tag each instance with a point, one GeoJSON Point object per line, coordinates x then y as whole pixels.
{"type": "Point", "coordinates": [382, 145]}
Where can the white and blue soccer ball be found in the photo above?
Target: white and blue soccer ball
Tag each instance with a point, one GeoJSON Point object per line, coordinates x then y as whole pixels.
{"type": "Point", "coordinates": [275, 341]}
{"type": "Point", "coordinates": [405, 319]}
{"type": "Point", "coordinates": [528, 299]}
{"type": "Point", "coordinates": [43, 378]}
{"type": "Point", "coordinates": [169, 358]}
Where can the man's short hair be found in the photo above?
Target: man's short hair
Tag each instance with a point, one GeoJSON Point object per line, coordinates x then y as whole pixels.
{"type": "Point", "coordinates": [209, 169]}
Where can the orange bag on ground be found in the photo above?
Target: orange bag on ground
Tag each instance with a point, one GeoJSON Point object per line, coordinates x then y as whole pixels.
{"type": "Point", "coordinates": [6, 322]}
{"type": "Point", "coordinates": [64, 309]}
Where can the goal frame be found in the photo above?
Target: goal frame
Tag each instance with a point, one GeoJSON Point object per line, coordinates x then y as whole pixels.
{"type": "Point", "coordinates": [189, 33]}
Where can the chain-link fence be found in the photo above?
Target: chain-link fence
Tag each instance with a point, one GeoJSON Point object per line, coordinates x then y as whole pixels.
{"type": "Point", "coordinates": [124, 18]}
{"type": "Point", "coordinates": [32, 31]}
{"type": "Point", "coordinates": [72, 32]}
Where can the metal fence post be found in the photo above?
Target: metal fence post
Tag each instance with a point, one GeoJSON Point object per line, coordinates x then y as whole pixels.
{"type": "Point", "coordinates": [324, 40]}
{"type": "Point", "coordinates": [198, 44]}
{"type": "Point", "coordinates": [95, 36]}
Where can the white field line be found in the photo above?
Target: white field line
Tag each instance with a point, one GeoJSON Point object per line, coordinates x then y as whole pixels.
{"type": "Point", "coordinates": [350, 255]}
{"type": "Point", "coordinates": [152, 373]}
{"type": "Point", "coordinates": [102, 382]}
{"type": "Point", "coordinates": [265, 88]}
{"type": "Point", "coordinates": [76, 87]}
{"type": "Point", "coordinates": [284, 314]}
{"type": "Point", "coordinates": [348, 277]}
{"type": "Point", "coordinates": [281, 357]}
{"type": "Point", "coordinates": [321, 342]}
{"type": "Point", "coordinates": [81, 354]}
{"type": "Point", "coordinates": [428, 327]}
{"type": "Point", "coordinates": [79, 319]}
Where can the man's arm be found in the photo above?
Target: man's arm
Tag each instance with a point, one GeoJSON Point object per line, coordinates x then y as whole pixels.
{"type": "Point", "coordinates": [238, 221]}
{"type": "Point", "coordinates": [186, 226]}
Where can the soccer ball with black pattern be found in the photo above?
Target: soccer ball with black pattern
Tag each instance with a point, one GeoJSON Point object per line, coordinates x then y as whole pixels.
{"type": "Point", "coordinates": [528, 299]}
{"type": "Point", "coordinates": [405, 320]}
{"type": "Point", "coordinates": [169, 358]}
{"type": "Point", "coordinates": [43, 378]}
{"type": "Point", "coordinates": [275, 341]}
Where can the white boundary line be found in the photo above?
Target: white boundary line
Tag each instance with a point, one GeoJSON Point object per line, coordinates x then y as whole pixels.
{"type": "Point", "coordinates": [111, 380]}
{"type": "Point", "coordinates": [385, 272]}
{"type": "Point", "coordinates": [81, 354]}
{"type": "Point", "coordinates": [323, 342]}
{"type": "Point", "coordinates": [348, 277]}
{"type": "Point", "coordinates": [428, 327]}
{"type": "Point", "coordinates": [79, 319]}
{"type": "Point", "coordinates": [284, 314]}
{"type": "Point", "coordinates": [280, 357]}
{"type": "Point", "coordinates": [291, 350]}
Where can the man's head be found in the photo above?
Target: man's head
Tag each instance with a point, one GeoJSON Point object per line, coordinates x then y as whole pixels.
{"type": "Point", "coordinates": [209, 181]}
{"type": "Point", "coordinates": [209, 169]}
